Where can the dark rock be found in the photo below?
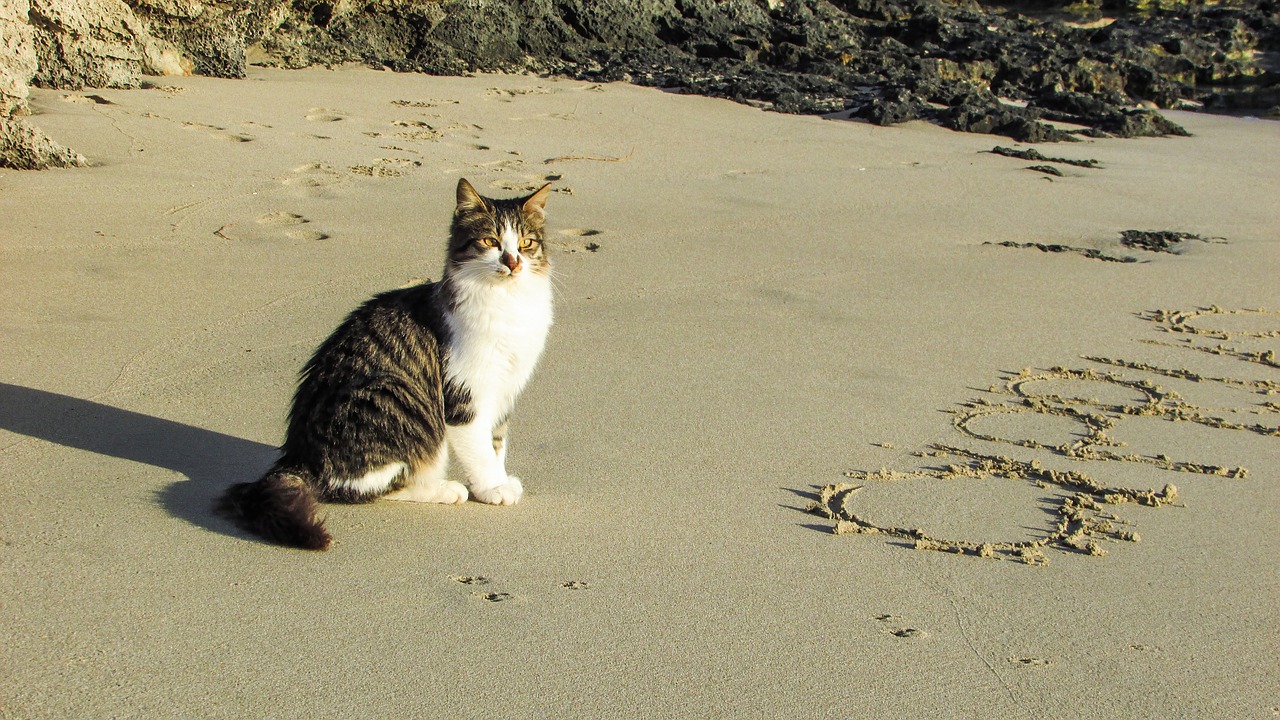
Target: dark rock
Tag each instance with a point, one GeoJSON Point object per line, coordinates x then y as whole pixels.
{"type": "Point", "coordinates": [886, 61]}
{"type": "Point", "coordinates": [894, 107]}
{"type": "Point", "coordinates": [1046, 169]}
{"type": "Point", "coordinates": [215, 49]}
{"type": "Point", "coordinates": [1137, 123]}
{"type": "Point", "coordinates": [955, 63]}
{"type": "Point", "coordinates": [1036, 155]}
{"type": "Point", "coordinates": [1155, 240]}
{"type": "Point", "coordinates": [1091, 253]}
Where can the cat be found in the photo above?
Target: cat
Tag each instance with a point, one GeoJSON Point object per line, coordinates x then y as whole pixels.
{"type": "Point", "coordinates": [413, 375]}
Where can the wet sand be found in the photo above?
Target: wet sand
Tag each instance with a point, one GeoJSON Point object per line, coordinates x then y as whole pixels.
{"type": "Point", "coordinates": [826, 426]}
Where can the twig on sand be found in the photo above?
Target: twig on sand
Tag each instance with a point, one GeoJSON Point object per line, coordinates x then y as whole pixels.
{"type": "Point", "coordinates": [598, 158]}
{"type": "Point", "coordinates": [219, 232]}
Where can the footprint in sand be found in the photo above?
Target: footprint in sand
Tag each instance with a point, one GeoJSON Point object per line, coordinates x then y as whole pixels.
{"type": "Point", "coordinates": [313, 175]}
{"type": "Point", "coordinates": [480, 581]}
{"type": "Point", "coordinates": [514, 186]}
{"type": "Point", "coordinates": [416, 130]}
{"type": "Point", "coordinates": [423, 103]}
{"type": "Point", "coordinates": [495, 596]}
{"type": "Point", "coordinates": [510, 94]}
{"type": "Point", "coordinates": [1031, 661]}
{"type": "Point", "coordinates": [87, 99]}
{"type": "Point", "coordinates": [896, 629]}
{"type": "Point", "coordinates": [307, 235]}
{"type": "Point", "coordinates": [523, 183]}
{"type": "Point", "coordinates": [470, 579]}
{"type": "Point", "coordinates": [217, 132]}
{"type": "Point", "coordinates": [573, 240]}
{"type": "Point", "coordinates": [324, 115]}
{"type": "Point", "coordinates": [280, 217]}
{"type": "Point", "coordinates": [385, 167]}
{"type": "Point", "coordinates": [288, 223]}
{"type": "Point", "coordinates": [506, 165]}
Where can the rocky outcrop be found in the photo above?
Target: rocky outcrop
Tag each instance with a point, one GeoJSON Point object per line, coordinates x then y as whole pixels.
{"type": "Point", "coordinates": [21, 145]}
{"type": "Point", "coordinates": [74, 44]}
{"type": "Point", "coordinates": [959, 64]}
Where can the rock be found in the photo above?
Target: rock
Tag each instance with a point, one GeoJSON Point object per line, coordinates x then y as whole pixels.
{"type": "Point", "coordinates": [17, 57]}
{"type": "Point", "coordinates": [86, 43]}
{"type": "Point", "coordinates": [964, 65]}
{"type": "Point", "coordinates": [74, 44]}
{"type": "Point", "coordinates": [1166, 241]}
{"type": "Point", "coordinates": [21, 146]}
{"type": "Point", "coordinates": [1046, 169]}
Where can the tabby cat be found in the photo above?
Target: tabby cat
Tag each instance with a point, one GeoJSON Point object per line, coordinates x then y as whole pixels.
{"type": "Point", "coordinates": [413, 375]}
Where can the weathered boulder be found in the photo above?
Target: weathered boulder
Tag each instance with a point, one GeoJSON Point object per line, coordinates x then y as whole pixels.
{"type": "Point", "coordinates": [75, 44]}
{"type": "Point", "coordinates": [21, 145]}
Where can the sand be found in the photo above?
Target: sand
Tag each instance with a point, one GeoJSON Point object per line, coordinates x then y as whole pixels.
{"type": "Point", "coordinates": [752, 309]}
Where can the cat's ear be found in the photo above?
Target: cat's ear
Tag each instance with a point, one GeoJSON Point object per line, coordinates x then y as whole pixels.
{"type": "Point", "coordinates": [536, 203]}
{"type": "Point", "coordinates": [468, 198]}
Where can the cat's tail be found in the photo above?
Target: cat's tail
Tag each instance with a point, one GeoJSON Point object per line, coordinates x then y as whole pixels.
{"type": "Point", "coordinates": [280, 507]}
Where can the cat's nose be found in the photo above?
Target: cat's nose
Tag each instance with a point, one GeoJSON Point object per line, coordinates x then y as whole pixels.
{"type": "Point", "coordinates": [512, 261]}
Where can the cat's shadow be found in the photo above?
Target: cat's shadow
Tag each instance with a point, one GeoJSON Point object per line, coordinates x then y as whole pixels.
{"type": "Point", "coordinates": [210, 460]}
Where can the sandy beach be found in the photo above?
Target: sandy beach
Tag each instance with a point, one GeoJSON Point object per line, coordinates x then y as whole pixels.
{"type": "Point", "coordinates": [836, 420]}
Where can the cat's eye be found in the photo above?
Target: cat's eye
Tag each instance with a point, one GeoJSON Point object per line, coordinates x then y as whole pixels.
{"type": "Point", "coordinates": [487, 242]}
{"type": "Point", "coordinates": [526, 243]}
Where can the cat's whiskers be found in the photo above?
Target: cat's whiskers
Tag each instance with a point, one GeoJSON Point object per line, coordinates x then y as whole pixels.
{"type": "Point", "coordinates": [558, 284]}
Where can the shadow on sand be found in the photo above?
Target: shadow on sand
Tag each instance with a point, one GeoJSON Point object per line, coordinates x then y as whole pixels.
{"type": "Point", "coordinates": [210, 460]}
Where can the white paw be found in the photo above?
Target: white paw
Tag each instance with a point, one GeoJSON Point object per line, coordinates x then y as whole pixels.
{"type": "Point", "coordinates": [447, 492]}
{"type": "Point", "coordinates": [451, 493]}
{"type": "Point", "coordinates": [508, 493]}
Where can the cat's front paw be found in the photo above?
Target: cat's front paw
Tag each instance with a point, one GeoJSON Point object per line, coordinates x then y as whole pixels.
{"type": "Point", "coordinates": [447, 492]}
{"type": "Point", "coordinates": [508, 493]}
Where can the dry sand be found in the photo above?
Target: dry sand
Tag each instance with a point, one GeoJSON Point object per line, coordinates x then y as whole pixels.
{"type": "Point", "coordinates": [750, 306]}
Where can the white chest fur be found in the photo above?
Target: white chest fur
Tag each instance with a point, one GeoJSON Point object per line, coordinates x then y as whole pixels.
{"type": "Point", "coordinates": [498, 331]}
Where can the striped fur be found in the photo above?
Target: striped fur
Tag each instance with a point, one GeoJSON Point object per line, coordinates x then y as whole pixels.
{"type": "Point", "coordinates": [412, 376]}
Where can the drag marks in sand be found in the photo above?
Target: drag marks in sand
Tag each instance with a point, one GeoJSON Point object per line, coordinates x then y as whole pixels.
{"type": "Point", "coordinates": [1076, 414]}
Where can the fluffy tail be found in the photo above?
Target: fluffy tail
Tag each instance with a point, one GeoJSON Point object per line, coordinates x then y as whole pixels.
{"type": "Point", "coordinates": [280, 507]}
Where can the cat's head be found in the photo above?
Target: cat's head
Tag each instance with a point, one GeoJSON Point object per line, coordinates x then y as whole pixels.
{"type": "Point", "coordinates": [499, 240]}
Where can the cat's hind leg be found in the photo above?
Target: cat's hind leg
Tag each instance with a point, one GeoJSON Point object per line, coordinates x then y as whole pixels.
{"type": "Point", "coordinates": [363, 488]}
{"type": "Point", "coordinates": [428, 483]}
